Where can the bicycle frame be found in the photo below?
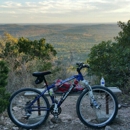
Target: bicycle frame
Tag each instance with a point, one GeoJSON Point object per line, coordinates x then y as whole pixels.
{"type": "Point", "coordinates": [35, 107]}
{"type": "Point", "coordinates": [77, 78]}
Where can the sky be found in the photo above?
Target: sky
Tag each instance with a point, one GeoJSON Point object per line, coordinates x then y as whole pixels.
{"type": "Point", "coordinates": [64, 11]}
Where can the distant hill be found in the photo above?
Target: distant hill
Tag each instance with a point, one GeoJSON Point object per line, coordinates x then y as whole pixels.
{"type": "Point", "coordinates": [70, 40]}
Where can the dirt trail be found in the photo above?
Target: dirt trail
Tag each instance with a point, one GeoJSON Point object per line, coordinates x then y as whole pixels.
{"type": "Point", "coordinates": [69, 120]}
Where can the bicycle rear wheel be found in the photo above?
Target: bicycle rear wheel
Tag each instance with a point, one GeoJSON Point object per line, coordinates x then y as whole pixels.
{"type": "Point", "coordinates": [27, 112]}
{"type": "Point", "coordinates": [102, 115]}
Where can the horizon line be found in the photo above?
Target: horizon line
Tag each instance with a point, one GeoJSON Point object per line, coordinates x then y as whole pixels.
{"type": "Point", "coordinates": [62, 23]}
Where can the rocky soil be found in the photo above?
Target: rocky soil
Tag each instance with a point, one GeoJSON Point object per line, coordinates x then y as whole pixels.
{"type": "Point", "coordinates": [68, 119]}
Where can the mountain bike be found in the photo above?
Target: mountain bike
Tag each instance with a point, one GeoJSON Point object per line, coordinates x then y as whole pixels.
{"type": "Point", "coordinates": [96, 106]}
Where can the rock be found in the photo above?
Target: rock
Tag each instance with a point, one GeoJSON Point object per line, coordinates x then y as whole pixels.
{"type": "Point", "coordinates": [76, 121]}
{"type": "Point", "coordinates": [1, 122]}
{"type": "Point", "coordinates": [119, 106]}
{"type": "Point", "coordinates": [15, 128]}
{"type": "Point", "coordinates": [69, 120]}
{"type": "Point", "coordinates": [125, 105]}
{"type": "Point", "coordinates": [4, 128]}
{"type": "Point", "coordinates": [51, 126]}
{"type": "Point", "coordinates": [55, 120]}
{"type": "Point", "coordinates": [108, 128]}
{"type": "Point", "coordinates": [65, 118]}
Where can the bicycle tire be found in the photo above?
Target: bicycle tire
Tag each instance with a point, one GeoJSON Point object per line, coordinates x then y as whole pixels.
{"type": "Point", "coordinates": [21, 115]}
{"type": "Point", "coordinates": [97, 117]}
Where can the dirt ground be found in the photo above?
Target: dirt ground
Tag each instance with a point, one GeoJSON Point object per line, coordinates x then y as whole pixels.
{"type": "Point", "coordinates": [68, 119]}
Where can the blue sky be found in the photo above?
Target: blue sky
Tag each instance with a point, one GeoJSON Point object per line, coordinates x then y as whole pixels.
{"type": "Point", "coordinates": [64, 11]}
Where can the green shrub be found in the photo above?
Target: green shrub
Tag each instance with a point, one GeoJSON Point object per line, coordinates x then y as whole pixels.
{"type": "Point", "coordinates": [4, 96]}
{"type": "Point", "coordinates": [112, 59]}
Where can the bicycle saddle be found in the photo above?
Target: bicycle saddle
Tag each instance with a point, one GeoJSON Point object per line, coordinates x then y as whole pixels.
{"type": "Point", "coordinates": [41, 74]}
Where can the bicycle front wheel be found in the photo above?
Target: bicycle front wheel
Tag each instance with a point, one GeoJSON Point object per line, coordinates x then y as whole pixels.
{"type": "Point", "coordinates": [26, 110]}
{"type": "Point", "coordinates": [104, 114]}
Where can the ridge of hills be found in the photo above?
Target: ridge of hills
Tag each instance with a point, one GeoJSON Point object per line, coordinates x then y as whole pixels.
{"type": "Point", "coordinates": [76, 38]}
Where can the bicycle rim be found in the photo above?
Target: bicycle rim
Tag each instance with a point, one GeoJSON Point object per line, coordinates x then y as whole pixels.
{"type": "Point", "coordinates": [24, 115]}
{"type": "Point", "coordinates": [97, 117]}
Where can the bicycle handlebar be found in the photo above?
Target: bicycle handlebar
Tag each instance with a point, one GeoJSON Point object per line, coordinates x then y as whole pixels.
{"type": "Point", "coordinates": [81, 66]}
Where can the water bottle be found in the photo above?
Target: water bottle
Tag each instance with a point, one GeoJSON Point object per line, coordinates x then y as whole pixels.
{"type": "Point", "coordinates": [102, 82]}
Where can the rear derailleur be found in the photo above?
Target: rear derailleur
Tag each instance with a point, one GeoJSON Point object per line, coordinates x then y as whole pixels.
{"type": "Point", "coordinates": [27, 110]}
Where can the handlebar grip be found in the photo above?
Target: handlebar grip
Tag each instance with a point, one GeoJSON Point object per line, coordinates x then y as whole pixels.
{"type": "Point", "coordinates": [82, 65]}
{"type": "Point", "coordinates": [87, 66]}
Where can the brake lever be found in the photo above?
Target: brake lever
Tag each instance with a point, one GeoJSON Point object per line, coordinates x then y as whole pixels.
{"type": "Point", "coordinates": [79, 64]}
{"type": "Point", "coordinates": [85, 65]}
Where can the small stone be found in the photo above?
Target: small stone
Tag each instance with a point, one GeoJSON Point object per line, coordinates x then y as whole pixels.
{"type": "Point", "coordinates": [108, 128]}
{"type": "Point", "coordinates": [66, 118]}
{"type": "Point", "coordinates": [2, 117]}
{"type": "Point", "coordinates": [51, 126]}
{"type": "Point", "coordinates": [55, 125]}
{"type": "Point", "coordinates": [76, 121]}
{"type": "Point", "coordinates": [1, 122]}
{"type": "Point", "coordinates": [15, 128]}
{"type": "Point", "coordinates": [119, 106]}
{"type": "Point", "coordinates": [55, 120]}
{"type": "Point", "coordinates": [50, 122]}
{"type": "Point", "coordinates": [5, 128]}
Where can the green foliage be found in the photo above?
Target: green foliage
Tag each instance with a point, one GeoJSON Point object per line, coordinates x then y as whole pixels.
{"type": "Point", "coordinates": [122, 49]}
{"type": "Point", "coordinates": [112, 60]}
{"type": "Point", "coordinates": [25, 50]}
{"type": "Point", "coordinates": [124, 34]}
{"type": "Point", "coordinates": [100, 58]}
{"type": "Point", "coordinates": [25, 56]}
{"type": "Point", "coordinates": [4, 96]}
{"type": "Point", "coordinates": [36, 48]}
{"type": "Point", "coordinates": [9, 38]}
{"type": "Point", "coordinates": [66, 38]}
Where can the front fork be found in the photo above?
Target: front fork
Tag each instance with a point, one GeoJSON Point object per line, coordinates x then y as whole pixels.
{"type": "Point", "coordinates": [90, 93]}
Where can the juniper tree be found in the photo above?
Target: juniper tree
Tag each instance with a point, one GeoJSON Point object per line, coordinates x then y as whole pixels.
{"type": "Point", "coordinates": [112, 59]}
{"type": "Point", "coordinates": [4, 96]}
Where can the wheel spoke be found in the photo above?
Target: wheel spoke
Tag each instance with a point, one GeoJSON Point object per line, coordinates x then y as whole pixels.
{"type": "Point", "coordinates": [26, 114]}
{"type": "Point", "coordinates": [93, 116]}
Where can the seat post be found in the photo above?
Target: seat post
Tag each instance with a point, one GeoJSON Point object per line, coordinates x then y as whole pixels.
{"type": "Point", "coordinates": [45, 80]}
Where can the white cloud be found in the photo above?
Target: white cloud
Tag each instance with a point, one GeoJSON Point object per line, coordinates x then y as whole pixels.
{"type": "Point", "coordinates": [71, 9]}
{"type": "Point", "coordinates": [50, 6]}
{"type": "Point", "coordinates": [10, 4]}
